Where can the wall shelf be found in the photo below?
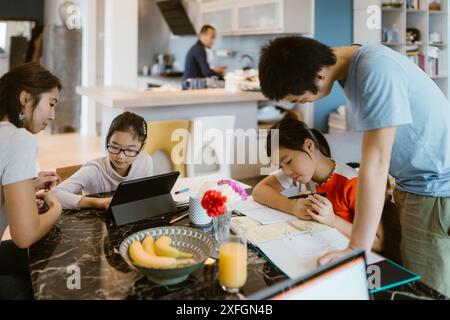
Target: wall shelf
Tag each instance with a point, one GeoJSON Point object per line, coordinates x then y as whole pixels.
{"type": "Point", "coordinates": [394, 25]}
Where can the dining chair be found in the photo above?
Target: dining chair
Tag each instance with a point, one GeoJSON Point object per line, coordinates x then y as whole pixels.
{"type": "Point", "coordinates": [208, 138]}
{"type": "Point", "coordinates": [66, 172]}
{"type": "Point", "coordinates": [162, 138]}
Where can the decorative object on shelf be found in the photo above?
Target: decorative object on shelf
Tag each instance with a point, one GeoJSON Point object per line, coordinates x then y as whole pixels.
{"type": "Point", "coordinates": [412, 35]}
{"type": "Point", "coordinates": [392, 4]}
{"type": "Point", "coordinates": [434, 5]}
{"type": "Point", "coordinates": [413, 4]}
{"type": "Point", "coordinates": [390, 35]}
{"type": "Point", "coordinates": [435, 38]}
{"type": "Point", "coordinates": [218, 199]}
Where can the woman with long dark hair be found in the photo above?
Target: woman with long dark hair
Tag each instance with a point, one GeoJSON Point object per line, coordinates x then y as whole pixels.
{"type": "Point", "coordinates": [28, 96]}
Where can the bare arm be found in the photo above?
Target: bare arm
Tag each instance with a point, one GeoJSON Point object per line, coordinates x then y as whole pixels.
{"type": "Point", "coordinates": [25, 224]}
{"type": "Point", "coordinates": [268, 193]}
{"type": "Point", "coordinates": [97, 203]}
{"type": "Point", "coordinates": [370, 195]}
{"type": "Point", "coordinates": [345, 228]}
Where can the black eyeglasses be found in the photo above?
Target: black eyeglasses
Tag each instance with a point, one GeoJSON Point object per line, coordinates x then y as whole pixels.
{"type": "Point", "coordinates": [127, 152]}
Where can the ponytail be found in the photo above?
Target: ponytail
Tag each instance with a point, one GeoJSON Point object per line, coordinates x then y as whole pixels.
{"type": "Point", "coordinates": [322, 143]}
{"type": "Point", "coordinates": [292, 134]}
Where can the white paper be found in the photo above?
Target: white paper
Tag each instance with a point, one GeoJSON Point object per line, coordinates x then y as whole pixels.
{"type": "Point", "coordinates": [297, 255]}
{"type": "Point", "coordinates": [261, 213]}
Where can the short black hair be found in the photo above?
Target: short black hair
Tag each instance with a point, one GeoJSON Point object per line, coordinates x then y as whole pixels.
{"type": "Point", "coordinates": [289, 65]}
{"type": "Point", "coordinates": [205, 29]}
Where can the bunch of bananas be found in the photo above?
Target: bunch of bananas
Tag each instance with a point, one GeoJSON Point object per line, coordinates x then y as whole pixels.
{"type": "Point", "coordinates": [159, 254]}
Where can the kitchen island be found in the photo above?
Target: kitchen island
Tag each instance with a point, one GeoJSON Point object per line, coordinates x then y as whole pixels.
{"type": "Point", "coordinates": [157, 105]}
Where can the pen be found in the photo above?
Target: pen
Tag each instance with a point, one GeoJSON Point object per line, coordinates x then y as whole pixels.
{"type": "Point", "coordinates": [182, 191]}
{"type": "Point", "coordinates": [179, 218]}
{"type": "Point", "coordinates": [304, 196]}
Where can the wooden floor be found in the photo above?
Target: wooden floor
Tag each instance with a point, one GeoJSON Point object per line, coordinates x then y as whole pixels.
{"type": "Point", "coordinates": [62, 150]}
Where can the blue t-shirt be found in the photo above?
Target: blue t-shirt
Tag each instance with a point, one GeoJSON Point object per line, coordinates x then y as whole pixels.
{"type": "Point", "coordinates": [385, 89]}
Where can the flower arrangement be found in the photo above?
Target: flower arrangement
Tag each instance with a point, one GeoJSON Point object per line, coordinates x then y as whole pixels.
{"type": "Point", "coordinates": [219, 197]}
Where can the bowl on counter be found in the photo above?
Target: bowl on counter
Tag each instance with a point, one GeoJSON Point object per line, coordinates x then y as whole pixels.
{"type": "Point", "coordinates": [190, 240]}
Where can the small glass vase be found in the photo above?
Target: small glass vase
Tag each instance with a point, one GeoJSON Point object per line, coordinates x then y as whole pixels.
{"type": "Point", "coordinates": [222, 225]}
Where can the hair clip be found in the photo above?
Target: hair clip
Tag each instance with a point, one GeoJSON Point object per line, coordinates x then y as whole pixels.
{"type": "Point", "coordinates": [144, 125]}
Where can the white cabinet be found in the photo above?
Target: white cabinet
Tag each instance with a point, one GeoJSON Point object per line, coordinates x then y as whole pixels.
{"type": "Point", "coordinates": [249, 17]}
{"type": "Point", "coordinates": [219, 14]}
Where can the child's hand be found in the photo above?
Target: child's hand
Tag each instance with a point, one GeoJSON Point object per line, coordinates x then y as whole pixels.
{"type": "Point", "coordinates": [299, 209]}
{"type": "Point", "coordinates": [321, 210]}
{"type": "Point", "coordinates": [106, 203]}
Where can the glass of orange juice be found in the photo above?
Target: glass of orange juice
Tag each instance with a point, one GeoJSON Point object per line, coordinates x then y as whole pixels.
{"type": "Point", "coordinates": [233, 263]}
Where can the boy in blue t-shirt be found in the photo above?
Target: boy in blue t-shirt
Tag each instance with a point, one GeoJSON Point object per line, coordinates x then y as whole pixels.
{"type": "Point", "coordinates": [405, 118]}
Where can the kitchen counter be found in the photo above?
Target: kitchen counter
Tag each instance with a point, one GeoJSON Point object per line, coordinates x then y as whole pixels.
{"type": "Point", "coordinates": [121, 97]}
{"type": "Point", "coordinates": [156, 105]}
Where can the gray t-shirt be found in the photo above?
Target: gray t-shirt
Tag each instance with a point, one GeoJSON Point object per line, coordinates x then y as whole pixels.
{"type": "Point", "coordinates": [18, 154]}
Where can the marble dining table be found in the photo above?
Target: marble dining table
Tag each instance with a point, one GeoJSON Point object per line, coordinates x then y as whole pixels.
{"type": "Point", "coordinates": [79, 259]}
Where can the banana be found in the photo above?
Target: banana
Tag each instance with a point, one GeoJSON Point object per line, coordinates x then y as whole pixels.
{"type": "Point", "coordinates": [163, 248]}
{"type": "Point", "coordinates": [148, 245]}
{"type": "Point", "coordinates": [142, 258]}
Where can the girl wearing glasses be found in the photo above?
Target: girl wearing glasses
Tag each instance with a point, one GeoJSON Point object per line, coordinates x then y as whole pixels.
{"type": "Point", "coordinates": [125, 161]}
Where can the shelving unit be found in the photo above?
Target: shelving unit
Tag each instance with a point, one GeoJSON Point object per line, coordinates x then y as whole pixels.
{"type": "Point", "coordinates": [393, 33]}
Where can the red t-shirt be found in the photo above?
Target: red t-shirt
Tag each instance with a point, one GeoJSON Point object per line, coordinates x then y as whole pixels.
{"type": "Point", "coordinates": [341, 191]}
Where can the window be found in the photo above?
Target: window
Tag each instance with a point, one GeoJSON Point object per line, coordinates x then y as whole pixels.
{"type": "Point", "coordinates": [3, 35]}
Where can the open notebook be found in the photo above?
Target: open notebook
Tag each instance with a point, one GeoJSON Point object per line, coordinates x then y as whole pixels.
{"type": "Point", "coordinates": [294, 245]}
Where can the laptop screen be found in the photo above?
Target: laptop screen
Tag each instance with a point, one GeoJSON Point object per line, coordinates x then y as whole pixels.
{"type": "Point", "coordinates": [344, 280]}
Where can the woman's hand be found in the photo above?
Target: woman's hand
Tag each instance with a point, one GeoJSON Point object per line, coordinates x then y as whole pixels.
{"type": "Point", "coordinates": [320, 209]}
{"type": "Point", "coordinates": [49, 199]}
{"type": "Point", "coordinates": [46, 180]}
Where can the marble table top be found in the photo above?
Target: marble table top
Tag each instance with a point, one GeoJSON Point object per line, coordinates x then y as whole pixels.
{"type": "Point", "coordinates": [79, 259]}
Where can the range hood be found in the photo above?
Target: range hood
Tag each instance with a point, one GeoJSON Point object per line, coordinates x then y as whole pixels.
{"type": "Point", "coordinates": [176, 17]}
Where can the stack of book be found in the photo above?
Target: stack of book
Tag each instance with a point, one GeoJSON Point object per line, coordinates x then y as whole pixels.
{"type": "Point", "coordinates": [413, 53]}
{"type": "Point", "coordinates": [435, 61]}
{"type": "Point", "coordinates": [337, 121]}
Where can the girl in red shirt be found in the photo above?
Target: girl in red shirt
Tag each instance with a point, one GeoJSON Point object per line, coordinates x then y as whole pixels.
{"type": "Point", "coordinates": [306, 166]}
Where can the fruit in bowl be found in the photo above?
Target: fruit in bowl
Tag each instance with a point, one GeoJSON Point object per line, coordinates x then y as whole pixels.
{"type": "Point", "coordinates": [167, 255]}
{"type": "Point", "coordinates": [159, 254]}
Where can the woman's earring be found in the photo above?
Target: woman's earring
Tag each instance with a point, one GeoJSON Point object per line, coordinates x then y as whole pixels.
{"type": "Point", "coordinates": [22, 117]}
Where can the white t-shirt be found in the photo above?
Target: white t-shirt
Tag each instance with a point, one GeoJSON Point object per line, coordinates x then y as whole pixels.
{"type": "Point", "coordinates": [18, 154]}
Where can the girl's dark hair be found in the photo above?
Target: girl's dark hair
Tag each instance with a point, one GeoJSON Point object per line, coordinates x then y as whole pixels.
{"type": "Point", "coordinates": [289, 65]}
{"type": "Point", "coordinates": [29, 77]}
{"type": "Point", "coordinates": [292, 134]}
{"type": "Point", "coordinates": [128, 121]}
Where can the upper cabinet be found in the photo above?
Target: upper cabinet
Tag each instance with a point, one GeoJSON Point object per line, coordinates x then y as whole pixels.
{"type": "Point", "coordinates": [252, 17]}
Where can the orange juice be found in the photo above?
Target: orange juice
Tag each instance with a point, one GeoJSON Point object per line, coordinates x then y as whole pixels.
{"type": "Point", "coordinates": [233, 264]}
